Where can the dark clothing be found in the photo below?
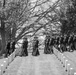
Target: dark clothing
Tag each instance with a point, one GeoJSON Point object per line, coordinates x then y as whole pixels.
{"type": "Point", "coordinates": [8, 45]}
{"type": "Point", "coordinates": [66, 43]}
{"type": "Point", "coordinates": [71, 44]}
{"type": "Point", "coordinates": [8, 49]}
{"type": "Point", "coordinates": [35, 48]}
{"type": "Point", "coordinates": [57, 41]}
{"type": "Point", "coordinates": [24, 46]}
{"type": "Point", "coordinates": [36, 44]}
{"type": "Point", "coordinates": [66, 40]}
{"type": "Point", "coordinates": [52, 41]}
{"type": "Point", "coordinates": [62, 44]}
{"type": "Point", "coordinates": [62, 40]}
{"type": "Point", "coordinates": [74, 41]}
{"type": "Point", "coordinates": [13, 46]}
{"type": "Point", "coordinates": [47, 46]}
{"type": "Point", "coordinates": [70, 40]}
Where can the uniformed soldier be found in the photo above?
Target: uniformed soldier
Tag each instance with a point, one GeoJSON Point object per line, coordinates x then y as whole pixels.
{"type": "Point", "coordinates": [25, 46]}
{"type": "Point", "coordinates": [35, 46]}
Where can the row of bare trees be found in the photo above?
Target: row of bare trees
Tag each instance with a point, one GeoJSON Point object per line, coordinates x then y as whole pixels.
{"type": "Point", "coordinates": [20, 18]}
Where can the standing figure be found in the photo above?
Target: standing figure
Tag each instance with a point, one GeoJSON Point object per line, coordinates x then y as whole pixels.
{"type": "Point", "coordinates": [8, 48]}
{"type": "Point", "coordinates": [71, 43]}
{"type": "Point", "coordinates": [35, 47]}
{"type": "Point", "coordinates": [25, 46]}
{"type": "Point", "coordinates": [57, 42]}
{"type": "Point", "coordinates": [13, 46]}
{"type": "Point", "coordinates": [74, 41]}
{"type": "Point", "coordinates": [51, 44]}
{"type": "Point", "coordinates": [62, 43]}
{"type": "Point", "coordinates": [66, 42]}
{"type": "Point", "coordinates": [47, 47]}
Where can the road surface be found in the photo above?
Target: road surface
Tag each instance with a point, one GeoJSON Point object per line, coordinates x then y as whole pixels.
{"type": "Point", "coordinates": [71, 56]}
{"type": "Point", "coordinates": [44, 64]}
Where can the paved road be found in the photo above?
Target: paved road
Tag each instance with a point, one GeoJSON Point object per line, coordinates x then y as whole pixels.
{"type": "Point", "coordinates": [40, 65]}
{"type": "Point", "coordinates": [71, 56]}
{"type": "Point", "coordinates": [1, 61]}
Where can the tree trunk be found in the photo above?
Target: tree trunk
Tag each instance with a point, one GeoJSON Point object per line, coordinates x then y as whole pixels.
{"type": "Point", "coordinates": [3, 36]}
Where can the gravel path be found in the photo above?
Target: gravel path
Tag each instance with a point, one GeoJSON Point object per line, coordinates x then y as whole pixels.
{"type": "Point", "coordinates": [39, 65]}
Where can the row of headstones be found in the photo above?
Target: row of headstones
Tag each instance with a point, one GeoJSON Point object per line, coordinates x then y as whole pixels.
{"type": "Point", "coordinates": [7, 61]}
{"type": "Point", "coordinates": [65, 62]}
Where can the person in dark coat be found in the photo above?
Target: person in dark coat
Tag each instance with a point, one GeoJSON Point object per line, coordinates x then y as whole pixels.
{"type": "Point", "coordinates": [25, 46]}
{"type": "Point", "coordinates": [8, 48]}
{"type": "Point", "coordinates": [13, 46]}
{"type": "Point", "coordinates": [57, 42]}
{"type": "Point", "coordinates": [74, 41]}
{"type": "Point", "coordinates": [62, 43]}
{"type": "Point", "coordinates": [47, 47]}
{"type": "Point", "coordinates": [45, 43]}
{"type": "Point", "coordinates": [71, 42]}
{"type": "Point", "coordinates": [66, 38]}
{"type": "Point", "coordinates": [52, 41]}
{"type": "Point", "coordinates": [35, 47]}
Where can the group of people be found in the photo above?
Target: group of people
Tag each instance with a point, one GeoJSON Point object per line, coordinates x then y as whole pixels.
{"type": "Point", "coordinates": [49, 43]}
{"type": "Point", "coordinates": [67, 42]}
{"type": "Point", "coordinates": [35, 51]}
{"type": "Point", "coordinates": [62, 43]}
{"type": "Point", "coordinates": [10, 47]}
